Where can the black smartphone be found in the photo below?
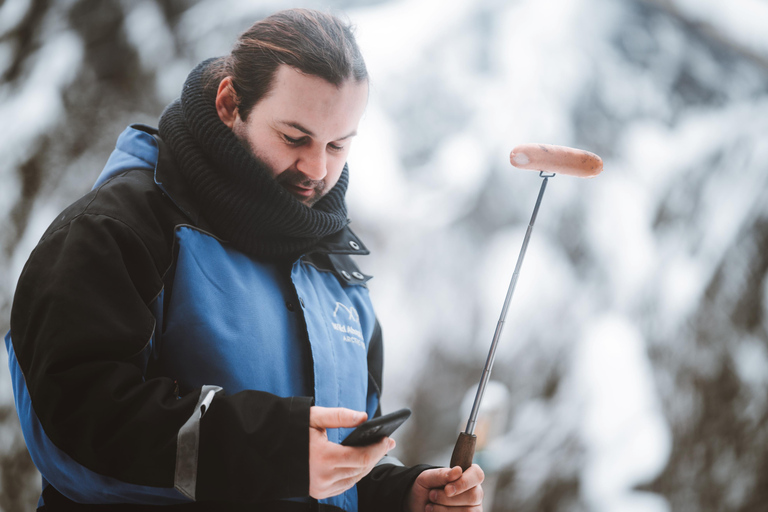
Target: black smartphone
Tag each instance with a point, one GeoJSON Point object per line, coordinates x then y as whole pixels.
{"type": "Point", "coordinates": [373, 430]}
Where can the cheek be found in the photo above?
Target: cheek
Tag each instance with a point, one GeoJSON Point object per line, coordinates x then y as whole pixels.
{"type": "Point", "coordinates": [276, 155]}
{"type": "Point", "coordinates": [334, 170]}
{"type": "Point", "coordinates": [279, 159]}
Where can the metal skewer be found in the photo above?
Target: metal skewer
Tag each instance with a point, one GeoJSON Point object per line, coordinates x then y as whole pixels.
{"type": "Point", "coordinates": [464, 450]}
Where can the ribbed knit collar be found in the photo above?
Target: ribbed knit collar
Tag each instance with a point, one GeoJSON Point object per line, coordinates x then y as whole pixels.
{"type": "Point", "coordinates": [236, 193]}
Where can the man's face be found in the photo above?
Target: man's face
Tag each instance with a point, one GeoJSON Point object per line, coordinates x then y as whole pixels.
{"type": "Point", "coordinates": [302, 130]}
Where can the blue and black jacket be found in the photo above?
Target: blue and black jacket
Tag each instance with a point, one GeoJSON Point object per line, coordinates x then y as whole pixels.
{"type": "Point", "coordinates": [154, 365]}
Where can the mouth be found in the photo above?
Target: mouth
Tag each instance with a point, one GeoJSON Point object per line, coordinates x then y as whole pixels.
{"type": "Point", "coordinates": [302, 188]}
{"type": "Point", "coordinates": [299, 191]}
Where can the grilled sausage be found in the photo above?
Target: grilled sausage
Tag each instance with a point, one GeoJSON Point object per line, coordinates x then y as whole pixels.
{"type": "Point", "coordinates": [557, 159]}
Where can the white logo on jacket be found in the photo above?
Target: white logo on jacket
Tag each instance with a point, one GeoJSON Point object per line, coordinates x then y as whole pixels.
{"type": "Point", "coordinates": [351, 311]}
{"type": "Point", "coordinates": [351, 334]}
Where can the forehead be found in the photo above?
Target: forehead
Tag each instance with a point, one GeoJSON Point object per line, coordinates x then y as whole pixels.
{"type": "Point", "coordinates": [327, 110]}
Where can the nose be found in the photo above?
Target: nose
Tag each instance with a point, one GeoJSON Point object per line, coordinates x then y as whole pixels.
{"type": "Point", "coordinates": [312, 163]}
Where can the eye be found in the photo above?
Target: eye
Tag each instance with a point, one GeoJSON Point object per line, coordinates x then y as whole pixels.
{"type": "Point", "coordinates": [336, 147]}
{"type": "Point", "coordinates": [292, 141]}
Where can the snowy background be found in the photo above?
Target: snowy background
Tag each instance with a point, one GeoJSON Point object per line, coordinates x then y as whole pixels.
{"type": "Point", "coordinates": [632, 374]}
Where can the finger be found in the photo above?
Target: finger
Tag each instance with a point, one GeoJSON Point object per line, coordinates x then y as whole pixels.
{"type": "Point", "coordinates": [335, 417]}
{"type": "Point", "coordinates": [340, 456]}
{"type": "Point", "coordinates": [434, 478]}
{"type": "Point", "coordinates": [432, 507]}
{"type": "Point", "coordinates": [470, 497]}
{"type": "Point", "coordinates": [472, 477]}
{"type": "Point", "coordinates": [364, 456]}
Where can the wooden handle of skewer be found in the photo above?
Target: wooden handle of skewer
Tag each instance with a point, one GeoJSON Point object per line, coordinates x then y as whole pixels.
{"type": "Point", "coordinates": [464, 451]}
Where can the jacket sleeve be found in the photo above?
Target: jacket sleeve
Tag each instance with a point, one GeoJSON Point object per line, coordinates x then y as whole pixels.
{"type": "Point", "coordinates": [386, 487]}
{"type": "Point", "coordinates": [100, 432]}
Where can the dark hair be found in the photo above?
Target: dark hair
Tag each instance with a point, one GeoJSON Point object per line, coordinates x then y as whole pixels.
{"type": "Point", "coordinates": [311, 41]}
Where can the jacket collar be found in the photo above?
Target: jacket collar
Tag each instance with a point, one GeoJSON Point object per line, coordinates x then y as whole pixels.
{"type": "Point", "coordinates": [341, 242]}
{"type": "Point", "coordinates": [172, 184]}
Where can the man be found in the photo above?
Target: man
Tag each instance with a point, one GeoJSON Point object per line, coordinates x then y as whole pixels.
{"type": "Point", "coordinates": [192, 334]}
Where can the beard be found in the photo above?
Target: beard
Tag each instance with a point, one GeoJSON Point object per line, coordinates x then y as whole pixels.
{"type": "Point", "coordinates": [291, 179]}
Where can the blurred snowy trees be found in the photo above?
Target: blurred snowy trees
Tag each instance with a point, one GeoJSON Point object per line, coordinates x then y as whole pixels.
{"type": "Point", "coordinates": [636, 349]}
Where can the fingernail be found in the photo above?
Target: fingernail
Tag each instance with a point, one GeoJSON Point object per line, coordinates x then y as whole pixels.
{"type": "Point", "coordinates": [433, 496]}
{"type": "Point", "coordinates": [450, 490]}
{"type": "Point", "coordinates": [429, 508]}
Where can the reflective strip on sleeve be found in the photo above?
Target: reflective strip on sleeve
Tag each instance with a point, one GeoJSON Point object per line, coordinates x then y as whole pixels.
{"type": "Point", "coordinates": [188, 443]}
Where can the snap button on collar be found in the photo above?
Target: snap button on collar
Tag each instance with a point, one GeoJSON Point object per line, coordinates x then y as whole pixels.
{"type": "Point", "coordinates": [354, 245]}
{"type": "Point", "coordinates": [346, 275]}
{"type": "Point", "coordinates": [358, 275]}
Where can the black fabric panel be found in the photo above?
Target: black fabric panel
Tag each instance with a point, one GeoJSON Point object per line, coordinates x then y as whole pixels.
{"type": "Point", "coordinates": [79, 319]}
{"type": "Point", "coordinates": [254, 446]}
{"type": "Point", "coordinates": [385, 488]}
{"type": "Point", "coordinates": [337, 263]}
{"type": "Point", "coordinates": [376, 363]}
{"type": "Point", "coordinates": [55, 502]}
{"type": "Point", "coordinates": [339, 243]}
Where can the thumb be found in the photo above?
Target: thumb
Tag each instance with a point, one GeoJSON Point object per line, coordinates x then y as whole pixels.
{"type": "Point", "coordinates": [437, 478]}
{"type": "Point", "coordinates": [335, 417]}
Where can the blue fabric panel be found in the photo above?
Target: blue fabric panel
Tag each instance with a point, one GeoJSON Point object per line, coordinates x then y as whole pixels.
{"type": "Point", "coordinates": [73, 480]}
{"type": "Point", "coordinates": [134, 149]}
{"type": "Point", "coordinates": [228, 324]}
{"type": "Point", "coordinates": [359, 295]}
{"type": "Point", "coordinates": [340, 322]}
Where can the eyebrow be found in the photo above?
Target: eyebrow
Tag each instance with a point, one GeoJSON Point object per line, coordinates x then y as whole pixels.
{"type": "Point", "coordinates": [309, 132]}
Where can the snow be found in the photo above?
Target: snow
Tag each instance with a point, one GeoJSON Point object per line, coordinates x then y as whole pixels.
{"type": "Point", "coordinates": [6, 56]}
{"type": "Point", "coordinates": [419, 24]}
{"type": "Point", "coordinates": [536, 71]}
{"type": "Point", "coordinates": [621, 233]}
{"type": "Point", "coordinates": [628, 438]}
{"type": "Point", "coordinates": [744, 21]}
{"type": "Point", "coordinates": [39, 106]}
{"type": "Point", "coordinates": [35, 108]}
{"type": "Point", "coordinates": [147, 31]}
{"type": "Point", "coordinates": [752, 363]}
{"type": "Point", "coordinates": [12, 12]}
{"type": "Point", "coordinates": [378, 180]}
{"type": "Point", "coordinates": [681, 285]}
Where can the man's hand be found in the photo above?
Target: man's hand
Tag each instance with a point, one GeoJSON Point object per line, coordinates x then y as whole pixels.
{"type": "Point", "coordinates": [442, 490]}
{"type": "Point", "coordinates": [334, 468]}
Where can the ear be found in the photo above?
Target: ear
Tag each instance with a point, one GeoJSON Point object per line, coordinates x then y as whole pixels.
{"type": "Point", "coordinates": [226, 103]}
